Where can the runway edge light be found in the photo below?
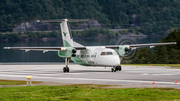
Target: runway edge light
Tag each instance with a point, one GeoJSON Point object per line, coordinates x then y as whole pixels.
{"type": "Point", "coordinates": [175, 82]}
{"type": "Point", "coordinates": [28, 80]}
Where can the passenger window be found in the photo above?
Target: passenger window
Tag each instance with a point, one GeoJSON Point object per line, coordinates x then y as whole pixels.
{"type": "Point", "coordinates": [93, 55]}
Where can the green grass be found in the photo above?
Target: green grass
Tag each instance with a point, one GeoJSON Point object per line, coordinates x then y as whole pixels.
{"type": "Point", "coordinates": [170, 65]}
{"type": "Point", "coordinates": [87, 93]}
{"type": "Point", "coordinates": [83, 92]}
{"type": "Point", "coordinates": [16, 82]}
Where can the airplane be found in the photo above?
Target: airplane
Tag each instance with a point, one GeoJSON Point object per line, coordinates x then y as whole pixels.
{"type": "Point", "coordinates": [103, 56]}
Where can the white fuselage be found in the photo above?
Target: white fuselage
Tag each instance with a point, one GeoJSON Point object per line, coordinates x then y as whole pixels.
{"type": "Point", "coordinates": [97, 56]}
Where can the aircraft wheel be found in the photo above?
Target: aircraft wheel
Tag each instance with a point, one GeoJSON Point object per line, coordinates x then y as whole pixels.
{"type": "Point", "coordinates": [64, 69]}
{"type": "Point", "coordinates": [113, 69]}
{"type": "Point", "coordinates": [67, 69]}
{"type": "Point", "coordinates": [119, 68]}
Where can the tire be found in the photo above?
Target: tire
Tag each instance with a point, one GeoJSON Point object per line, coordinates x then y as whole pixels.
{"type": "Point", "coordinates": [64, 69]}
{"type": "Point", "coordinates": [67, 69]}
{"type": "Point", "coordinates": [119, 68]}
{"type": "Point", "coordinates": [112, 70]}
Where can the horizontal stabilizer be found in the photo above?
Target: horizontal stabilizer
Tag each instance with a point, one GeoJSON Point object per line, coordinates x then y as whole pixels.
{"type": "Point", "coordinates": [69, 20]}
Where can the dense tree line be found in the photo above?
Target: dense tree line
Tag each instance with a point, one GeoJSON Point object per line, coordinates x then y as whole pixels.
{"type": "Point", "coordinates": [169, 54]}
{"type": "Point", "coordinates": [145, 16]}
{"type": "Point", "coordinates": [20, 36]}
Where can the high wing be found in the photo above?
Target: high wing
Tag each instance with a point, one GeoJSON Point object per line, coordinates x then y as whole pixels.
{"type": "Point", "coordinates": [44, 49]}
{"type": "Point", "coordinates": [84, 47]}
{"type": "Point", "coordinates": [142, 45]}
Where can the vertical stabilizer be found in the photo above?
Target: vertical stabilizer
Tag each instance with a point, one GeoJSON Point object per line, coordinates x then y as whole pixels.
{"type": "Point", "coordinates": [66, 34]}
{"type": "Point", "coordinates": [65, 30]}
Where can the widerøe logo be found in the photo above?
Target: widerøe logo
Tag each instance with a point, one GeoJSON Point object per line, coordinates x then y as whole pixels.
{"type": "Point", "coordinates": [65, 33]}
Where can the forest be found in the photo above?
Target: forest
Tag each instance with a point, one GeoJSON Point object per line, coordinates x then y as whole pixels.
{"type": "Point", "coordinates": [145, 16]}
{"type": "Point", "coordinates": [169, 54]}
{"type": "Point", "coordinates": [150, 17]}
{"type": "Point", "coordinates": [56, 34]}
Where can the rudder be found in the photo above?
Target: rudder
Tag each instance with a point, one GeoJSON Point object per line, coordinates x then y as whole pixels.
{"type": "Point", "coordinates": [66, 34]}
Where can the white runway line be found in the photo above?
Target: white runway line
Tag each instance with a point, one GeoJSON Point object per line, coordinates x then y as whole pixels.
{"type": "Point", "coordinates": [160, 74]}
{"type": "Point", "coordinates": [89, 79]}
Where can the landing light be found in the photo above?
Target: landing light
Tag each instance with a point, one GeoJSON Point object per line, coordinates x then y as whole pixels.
{"type": "Point", "coordinates": [63, 48]}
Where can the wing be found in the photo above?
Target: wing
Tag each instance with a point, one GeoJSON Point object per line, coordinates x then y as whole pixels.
{"type": "Point", "coordinates": [142, 45]}
{"type": "Point", "coordinates": [44, 49]}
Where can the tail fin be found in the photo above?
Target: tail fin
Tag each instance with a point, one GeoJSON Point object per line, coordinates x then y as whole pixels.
{"type": "Point", "coordinates": [65, 30]}
{"type": "Point", "coordinates": [66, 34]}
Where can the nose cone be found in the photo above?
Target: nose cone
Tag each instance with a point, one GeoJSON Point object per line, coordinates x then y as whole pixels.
{"type": "Point", "coordinates": [111, 61]}
{"type": "Point", "coordinates": [115, 61]}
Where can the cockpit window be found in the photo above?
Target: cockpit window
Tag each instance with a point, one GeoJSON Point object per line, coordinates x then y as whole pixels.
{"type": "Point", "coordinates": [103, 53]}
{"type": "Point", "coordinates": [109, 53]}
{"type": "Point", "coordinates": [106, 53]}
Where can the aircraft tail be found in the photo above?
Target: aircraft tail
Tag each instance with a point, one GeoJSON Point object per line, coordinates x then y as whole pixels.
{"type": "Point", "coordinates": [66, 34]}
{"type": "Point", "coordinates": [65, 30]}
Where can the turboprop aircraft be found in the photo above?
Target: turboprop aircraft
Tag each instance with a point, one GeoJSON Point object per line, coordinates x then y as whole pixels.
{"type": "Point", "coordinates": [106, 56]}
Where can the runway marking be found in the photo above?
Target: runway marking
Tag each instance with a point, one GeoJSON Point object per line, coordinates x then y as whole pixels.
{"type": "Point", "coordinates": [89, 79]}
{"type": "Point", "coordinates": [159, 74]}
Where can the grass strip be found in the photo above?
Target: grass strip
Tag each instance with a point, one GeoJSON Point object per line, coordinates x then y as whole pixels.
{"type": "Point", "coordinates": [87, 93]}
{"type": "Point", "coordinates": [16, 82]}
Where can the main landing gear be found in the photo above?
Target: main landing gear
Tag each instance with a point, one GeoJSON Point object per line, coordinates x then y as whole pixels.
{"type": "Point", "coordinates": [66, 69]}
{"type": "Point", "coordinates": [117, 68]}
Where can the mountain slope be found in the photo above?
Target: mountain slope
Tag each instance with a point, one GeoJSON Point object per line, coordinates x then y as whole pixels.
{"type": "Point", "coordinates": [146, 16]}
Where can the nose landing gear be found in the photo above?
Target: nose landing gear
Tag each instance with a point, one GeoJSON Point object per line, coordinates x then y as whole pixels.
{"type": "Point", "coordinates": [117, 68]}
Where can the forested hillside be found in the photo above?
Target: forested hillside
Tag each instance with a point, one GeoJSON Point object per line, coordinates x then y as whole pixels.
{"type": "Point", "coordinates": [146, 16]}
{"type": "Point", "coordinates": [169, 54]}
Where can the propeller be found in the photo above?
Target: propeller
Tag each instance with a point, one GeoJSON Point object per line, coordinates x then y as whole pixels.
{"type": "Point", "coordinates": [130, 54]}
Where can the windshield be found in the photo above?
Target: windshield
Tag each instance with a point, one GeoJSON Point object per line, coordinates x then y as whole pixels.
{"type": "Point", "coordinates": [106, 53]}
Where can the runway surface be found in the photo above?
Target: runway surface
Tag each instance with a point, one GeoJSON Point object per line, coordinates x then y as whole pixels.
{"type": "Point", "coordinates": [130, 76]}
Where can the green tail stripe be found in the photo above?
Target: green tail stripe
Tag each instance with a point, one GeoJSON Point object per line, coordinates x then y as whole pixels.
{"type": "Point", "coordinates": [66, 44]}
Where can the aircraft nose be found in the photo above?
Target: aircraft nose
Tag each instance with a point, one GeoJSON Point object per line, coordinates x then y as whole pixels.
{"type": "Point", "coordinates": [115, 61]}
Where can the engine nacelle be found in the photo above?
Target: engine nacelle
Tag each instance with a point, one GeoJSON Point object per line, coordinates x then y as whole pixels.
{"type": "Point", "coordinates": [122, 50]}
{"type": "Point", "coordinates": [67, 52]}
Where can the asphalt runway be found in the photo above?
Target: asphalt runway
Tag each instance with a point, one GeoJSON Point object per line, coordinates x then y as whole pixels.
{"type": "Point", "coordinates": [130, 76]}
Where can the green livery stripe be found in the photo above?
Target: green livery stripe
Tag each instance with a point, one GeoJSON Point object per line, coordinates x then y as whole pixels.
{"type": "Point", "coordinates": [66, 44]}
{"type": "Point", "coordinates": [79, 61]}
